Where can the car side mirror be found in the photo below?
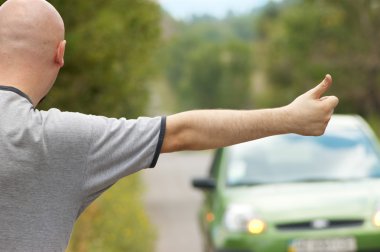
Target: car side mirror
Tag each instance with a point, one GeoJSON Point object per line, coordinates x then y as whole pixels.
{"type": "Point", "coordinates": [204, 183]}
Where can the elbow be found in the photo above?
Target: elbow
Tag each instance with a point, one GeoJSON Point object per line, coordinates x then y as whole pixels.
{"type": "Point", "coordinates": [179, 135]}
{"type": "Point", "coordinates": [175, 135]}
{"type": "Point", "coordinates": [175, 142]}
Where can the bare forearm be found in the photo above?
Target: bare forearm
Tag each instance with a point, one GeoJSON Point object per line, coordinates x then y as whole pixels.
{"type": "Point", "coordinates": [308, 114]}
{"type": "Point", "coordinates": [208, 129]}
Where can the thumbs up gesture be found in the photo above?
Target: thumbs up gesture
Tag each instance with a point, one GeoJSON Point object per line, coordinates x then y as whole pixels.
{"type": "Point", "coordinates": [310, 113]}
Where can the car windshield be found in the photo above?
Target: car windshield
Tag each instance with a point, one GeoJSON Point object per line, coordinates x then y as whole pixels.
{"type": "Point", "coordinates": [337, 155]}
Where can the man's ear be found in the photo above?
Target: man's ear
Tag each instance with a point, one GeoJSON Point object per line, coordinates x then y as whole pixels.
{"type": "Point", "coordinates": [60, 53]}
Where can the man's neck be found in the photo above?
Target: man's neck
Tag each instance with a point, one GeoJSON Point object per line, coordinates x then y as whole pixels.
{"type": "Point", "coordinates": [23, 85]}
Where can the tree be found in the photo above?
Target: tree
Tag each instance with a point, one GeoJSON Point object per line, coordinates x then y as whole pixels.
{"type": "Point", "coordinates": [108, 59]}
{"type": "Point", "coordinates": [209, 63]}
{"type": "Point", "coordinates": [219, 76]}
{"type": "Point", "coordinates": [303, 40]}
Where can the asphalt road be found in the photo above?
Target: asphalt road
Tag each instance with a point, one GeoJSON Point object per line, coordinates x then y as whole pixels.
{"type": "Point", "coordinates": [172, 204]}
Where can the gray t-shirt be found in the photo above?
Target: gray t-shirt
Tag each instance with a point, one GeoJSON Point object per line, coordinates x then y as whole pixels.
{"type": "Point", "coordinates": [53, 164]}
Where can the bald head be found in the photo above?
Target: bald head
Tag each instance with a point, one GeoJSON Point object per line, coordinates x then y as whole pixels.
{"type": "Point", "coordinates": [30, 28]}
{"type": "Point", "coordinates": [31, 34]}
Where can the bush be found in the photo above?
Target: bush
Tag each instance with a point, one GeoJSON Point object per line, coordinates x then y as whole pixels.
{"type": "Point", "coordinates": [116, 221]}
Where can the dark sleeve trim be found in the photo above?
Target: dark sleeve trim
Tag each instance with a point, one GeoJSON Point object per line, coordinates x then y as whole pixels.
{"type": "Point", "coordinates": [160, 142]}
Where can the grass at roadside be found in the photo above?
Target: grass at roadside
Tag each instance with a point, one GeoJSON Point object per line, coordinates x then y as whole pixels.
{"type": "Point", "coordinates": [115, 222]}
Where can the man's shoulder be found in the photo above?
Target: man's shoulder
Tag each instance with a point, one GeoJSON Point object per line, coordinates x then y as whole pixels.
{"type": "Point", "coordinates": [66, 124]}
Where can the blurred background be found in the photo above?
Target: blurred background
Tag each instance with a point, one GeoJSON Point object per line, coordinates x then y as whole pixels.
{"type": "Point", "coordinates": [142, 57]}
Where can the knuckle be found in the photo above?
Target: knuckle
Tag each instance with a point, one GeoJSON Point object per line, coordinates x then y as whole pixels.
{"type": "Point", "coordinates": [323, 107]}
{"type": "Point", "coordinates": [336, 99]}
{"type": "Point", "coordinates": [326, 109]}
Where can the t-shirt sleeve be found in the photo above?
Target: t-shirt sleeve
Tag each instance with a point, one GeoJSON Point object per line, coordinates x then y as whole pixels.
{"type": "Point", "coordinates": [120, 147]}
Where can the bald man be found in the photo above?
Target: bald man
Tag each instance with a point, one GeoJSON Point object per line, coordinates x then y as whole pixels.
{"type": "Point", "coordinates": [54, 164]}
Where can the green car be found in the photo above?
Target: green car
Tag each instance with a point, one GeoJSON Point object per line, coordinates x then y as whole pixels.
{"type": "Point", "coordinates": [291, 193]}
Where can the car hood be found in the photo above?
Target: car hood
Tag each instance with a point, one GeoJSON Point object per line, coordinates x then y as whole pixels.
{"type": "Point", "coordinates": [297, 201]}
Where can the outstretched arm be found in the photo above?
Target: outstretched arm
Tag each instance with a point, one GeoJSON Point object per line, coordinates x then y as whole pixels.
{"type": "Point", "coordinates": [309, 114]}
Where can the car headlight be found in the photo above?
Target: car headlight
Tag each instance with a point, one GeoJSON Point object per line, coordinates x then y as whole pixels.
{"type": "Point", "coordinates": [256, 226]}
{"type": "Point", "coordinates": [376, 218]}
{"type": "Point", "coordinates": [242, 218]}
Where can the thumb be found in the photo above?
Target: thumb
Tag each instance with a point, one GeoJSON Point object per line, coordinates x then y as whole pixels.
{"type": "Point", "coordinates": [322, 87]}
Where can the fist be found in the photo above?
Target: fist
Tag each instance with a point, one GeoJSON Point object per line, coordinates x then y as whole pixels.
{"type": "Point", "coordinates": [310, 113]}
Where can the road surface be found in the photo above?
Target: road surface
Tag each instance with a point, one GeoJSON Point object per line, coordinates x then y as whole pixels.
{"type": "Point", "coordinates": [172, 204]}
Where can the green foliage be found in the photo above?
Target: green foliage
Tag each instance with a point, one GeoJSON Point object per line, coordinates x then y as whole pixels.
{"type": "Point", "coordinates": [218, 76]}
{"type": "Point", "coordinates": [115, 222]}
{"type": "Point", "coordinates": [209, 63]}
{"type": "Point", "coordinates": [303, 40]}
{"type": "Point", "coordinates": [108, 57]}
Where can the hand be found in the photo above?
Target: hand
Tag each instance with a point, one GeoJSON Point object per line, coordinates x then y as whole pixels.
{"type": "Point", "coordinates": [310, 113]}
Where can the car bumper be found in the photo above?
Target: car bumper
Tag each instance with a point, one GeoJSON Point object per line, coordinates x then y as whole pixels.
{"type": "Point", "coordinates": [367, 240]}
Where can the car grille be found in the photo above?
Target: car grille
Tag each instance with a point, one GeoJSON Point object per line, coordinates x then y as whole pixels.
{"type": "Point", "coordinates": [319, 225]}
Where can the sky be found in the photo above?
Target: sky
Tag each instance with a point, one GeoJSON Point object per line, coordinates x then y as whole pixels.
{"type": "Point", "coordinates": [183, 9]}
